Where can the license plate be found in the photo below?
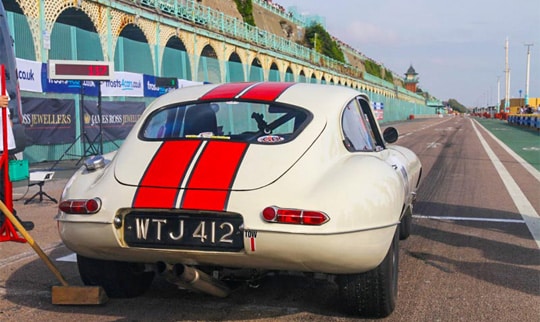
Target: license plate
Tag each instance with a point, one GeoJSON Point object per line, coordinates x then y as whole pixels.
{"type": "Point", "coordinates": [184, 231]}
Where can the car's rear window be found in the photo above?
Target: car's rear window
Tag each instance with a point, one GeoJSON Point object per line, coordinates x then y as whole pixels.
{"type": "Point", "coordinates": [233, 120]}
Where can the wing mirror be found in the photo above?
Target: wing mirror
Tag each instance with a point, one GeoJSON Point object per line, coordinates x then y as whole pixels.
{"type": "Point", "coordinates": [390, 135]}
{"type": "Point", "coordinates": [95, 162]}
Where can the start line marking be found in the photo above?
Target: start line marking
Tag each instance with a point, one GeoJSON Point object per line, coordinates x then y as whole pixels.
{"type": "Point", "coordinates": [71, 258]}
{"type": "Point", "coordinates": [513, 221]}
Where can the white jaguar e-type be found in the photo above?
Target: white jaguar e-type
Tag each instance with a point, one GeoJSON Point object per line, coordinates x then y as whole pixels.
{"type": "Point", "coordinates": [229, 181]}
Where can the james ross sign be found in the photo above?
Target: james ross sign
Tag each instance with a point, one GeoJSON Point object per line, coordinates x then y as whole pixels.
{"type": "Point", "coordinates": [53, 121]}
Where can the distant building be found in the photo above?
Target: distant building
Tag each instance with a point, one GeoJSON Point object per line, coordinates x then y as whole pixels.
{"type": "Point", "coordinates": [411, 79]}
{"type": "Point", "coordinates": [515, 104]}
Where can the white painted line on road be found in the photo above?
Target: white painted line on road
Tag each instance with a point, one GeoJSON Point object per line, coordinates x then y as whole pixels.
{"type": "Point", "coordinates": [526, 210]}
{"type": "Point", "coordinates": [23, 292]}
{"type": "Point", "coordinates": [26, 255]}
{"type": "Point", "coordinates": [71, 258]}
{"type": "Point", "coordinates": [424, 127]}
{"type": "Point", "coordinates": [513, 221]}
{"type": "Point", "coordinates": [532, 170]}
{"type": "Point", "coordinates": [433, 145]}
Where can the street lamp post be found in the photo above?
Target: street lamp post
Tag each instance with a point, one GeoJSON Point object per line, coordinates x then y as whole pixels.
{"type": "Point", "coordinates": [507, 74]}
{"type": "Point", "coordinates": [528, 68]}
{"type": "Point", "coordinates": [499, 92]}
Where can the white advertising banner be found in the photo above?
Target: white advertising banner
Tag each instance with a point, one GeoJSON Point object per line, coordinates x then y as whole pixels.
{"type": "Point", "coordinates": [29, 73]}
{"type": "Point", "coordinates": [123, 84]}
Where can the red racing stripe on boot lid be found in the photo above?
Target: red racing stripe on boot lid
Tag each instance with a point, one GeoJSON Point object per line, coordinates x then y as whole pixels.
{"type": "Point", "coordinates": [165, 172]}
{"type": "Point", "coordinates": [212, 179]}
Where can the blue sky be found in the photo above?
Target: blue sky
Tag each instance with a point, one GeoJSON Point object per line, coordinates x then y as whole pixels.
{"type": "Point", "coordinates": [456, 47]}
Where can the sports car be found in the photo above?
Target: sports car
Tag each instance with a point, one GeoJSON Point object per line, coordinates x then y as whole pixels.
{"type": "Point", "coordinates": [226, 182]}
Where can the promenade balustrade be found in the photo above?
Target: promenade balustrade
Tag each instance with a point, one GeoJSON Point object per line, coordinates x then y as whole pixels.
{"type": "Point", "coordinates": [192, 11]}
{"type": "Point", "coordinates": [280, 11]}
{"type": "Point", "coordinates": [71, 42]}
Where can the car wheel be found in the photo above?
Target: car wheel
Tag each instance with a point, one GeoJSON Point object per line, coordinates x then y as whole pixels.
{"type": "Point", "coordinates": [373, 293]}
{"type": "Point", "coordinates": [118, 279]}
{"type": "Point", "coordinates": [406, 224]}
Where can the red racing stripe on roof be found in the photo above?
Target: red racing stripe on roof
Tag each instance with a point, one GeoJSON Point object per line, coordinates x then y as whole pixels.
{"type": "Point", "coordinates": [226, 91]}
{"type": "Point", "coordinates": [166, 170]}
{"type": "Point", "coordinates": [210, 183]}
{"type": "Point", "coordinates": [268, 91]}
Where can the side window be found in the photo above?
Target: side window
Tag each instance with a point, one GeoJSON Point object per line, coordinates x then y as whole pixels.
{"type": "Point", "coordinates": [356, 134]}
{"type": "Point", "coordinates": [371, 123]}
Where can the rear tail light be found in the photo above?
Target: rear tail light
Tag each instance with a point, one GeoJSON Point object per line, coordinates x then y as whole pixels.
{"type": "Point", "coordinates": [294, 216]}
{"type": "Point", "coordinates": [80, 206]}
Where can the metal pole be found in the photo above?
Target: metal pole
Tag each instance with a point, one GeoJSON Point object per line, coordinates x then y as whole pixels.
{"type": "Point", "coordinates": [100, 119]}
{"type": "Point", "coordinates": [498, 91]}
{"type": "Point", "coordinates": [4, 159]}
{"type": "Point", "coordinates": [82, 132]}
{"type": "Point", "coordinates": [528, 68]}
{"type": "Point", "coordinates": [507, 73]}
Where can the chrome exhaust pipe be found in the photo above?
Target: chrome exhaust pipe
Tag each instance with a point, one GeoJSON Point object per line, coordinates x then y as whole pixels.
{"type": "Point", "coordinates": [413, 201]}
{"type": "Point", "coordinates": [193, 279]}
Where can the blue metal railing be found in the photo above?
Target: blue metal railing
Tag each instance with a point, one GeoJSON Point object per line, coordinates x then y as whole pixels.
{"type": "Point", "coordinates": [191, 11]}
{"type": "Point", "coordinates": [299, 20]}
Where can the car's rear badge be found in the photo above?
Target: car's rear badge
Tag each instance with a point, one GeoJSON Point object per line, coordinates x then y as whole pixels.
{"type": "Point", "coordinates": [270, 139]}
{"type": "Point", "coordinates": [252, 236]}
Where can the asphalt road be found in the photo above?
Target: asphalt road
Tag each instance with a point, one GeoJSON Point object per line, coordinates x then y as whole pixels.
{"type": "Point", "coordinates": [471, 256]}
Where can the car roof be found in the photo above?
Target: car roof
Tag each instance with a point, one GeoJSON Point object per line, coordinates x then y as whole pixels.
{"type": "Point", "coordinates": [322, 100]}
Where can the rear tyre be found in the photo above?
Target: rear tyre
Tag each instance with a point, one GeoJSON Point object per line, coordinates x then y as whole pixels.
{"type": "Point", "coordinates": [373, 293]}
{"type": "Point", "coordinates": [406, 224]}
{"type": "Point", "coordinates": [118, 279]}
